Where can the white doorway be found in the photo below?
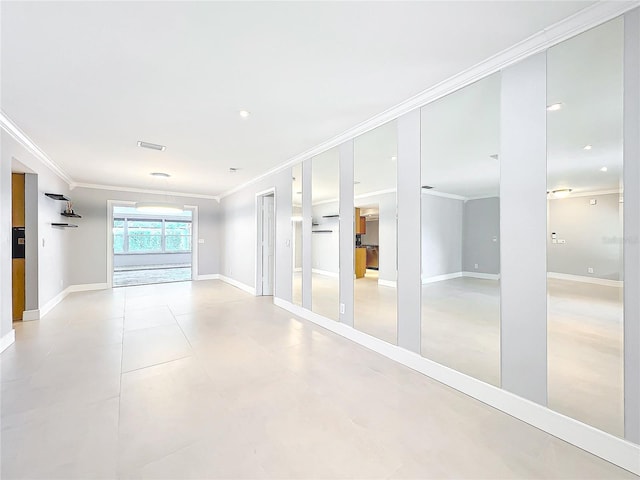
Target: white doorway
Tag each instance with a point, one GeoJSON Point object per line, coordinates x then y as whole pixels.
{"type": "Point", "coordinates": [266, 232]}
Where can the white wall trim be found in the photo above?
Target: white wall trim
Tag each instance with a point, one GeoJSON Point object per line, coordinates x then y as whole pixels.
{"type": "Point", "coordinates": [325, 273]}
{"type": "Point", "coordinates": [7, 340]}
{"type": "Point", "coordinates": [86, 287]}
{"type": "Point", "coordinates": [23, 139]}
{"type": "Point", "coordinates": [584, 279]}
{"type": "Point", "coordinates": [594, 193]}
{"type": "Point", "coordinates": [209, 276]}
{"type": "Point", "coordinates": [609, 447]}
{"type": "Point", "coordinates": [582, 21]}
{"type": "Point", "coordinates": [387, 283]}
{"type": "Point", "coordinates": [374, 194]}
{"type": "Point", "coordinates": [440, 278]}
{"type": "Point", "coordinates": [237, 284]}
{"type": "Point", "coordinates": [30, 315]}
{"type": "Point", "coordinates": [484, 276]}
{"type": "Point", "coordinates": [70, 289]}
{"type": "Point", "coordinates": [435, 193]}
{"type": "Point", "coordinates": [115, 188]}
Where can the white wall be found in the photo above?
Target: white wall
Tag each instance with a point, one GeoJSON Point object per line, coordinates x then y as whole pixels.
{"type": "Point", "coordinates": [593, 235]}
{"type": "Point", "coordinates": [89, 241]}
{"type": "Point", "coordinates": [325, 247]}
{"type": "Point", "coordinates": [441, 235]}
{"type": "Point", "coordinates": [372, 235]}
{"type": "Point", "coordinates": [53, 243]}
{"type": "Point", "coordinates": [481, 236]}
{"type": "Point", "coordinates": [238, 245]}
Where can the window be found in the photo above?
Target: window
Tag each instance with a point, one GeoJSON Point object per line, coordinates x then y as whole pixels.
{"type": "Point", "coordinates": [134, 235]}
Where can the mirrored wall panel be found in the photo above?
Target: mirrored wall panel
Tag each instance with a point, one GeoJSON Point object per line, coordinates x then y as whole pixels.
{"type": "Point", "coordinates": [296, 234]}
{"type": "Point", "coordinates": [375, 240]}
{"type": "Point", "coordinates": [461, 230]}
{"type": "Point", "coordinates": [325, 234]}
{"type": "Point", "coordinates": [584, 229]}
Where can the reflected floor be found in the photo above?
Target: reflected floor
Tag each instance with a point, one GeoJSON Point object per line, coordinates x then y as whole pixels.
{"type": "Point", "coordinates": [202, 380]}
{"type": "Point", "coordinates": [128, 276]}
{"type": "Point", "coordinates": [461, 330]}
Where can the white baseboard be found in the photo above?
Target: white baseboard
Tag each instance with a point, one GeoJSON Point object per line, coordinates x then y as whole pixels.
{"type": "Point", "coordinates": [483, 276]}
{"type": "Point", "coordinates": [585, 279]}
{"type": "Point", "coordinates": [326, 273]}
{"type": "Point", "coordinates": [30, 315]}
{"type": "Point", "coordinates": [604, 445]}
{"type": "Point", "coordinates": [237, 284]}
{"type": "Point", "coordinates": [440, 278]}
{"type": "Point", "coordinates": [7, 340]}
{"type": "Point", "coordinates": [210, 276]}
{"type": "Point", "coordinates": [387, 283]}
{"type": "Point", "coordinates": [84, 287]}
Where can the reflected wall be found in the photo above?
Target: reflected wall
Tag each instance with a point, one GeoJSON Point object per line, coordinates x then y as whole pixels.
{"type": "Point", "coordinates": [584, 227]}
{"type": "Point", "coordinates": [460, 163]}
{"type": "Point", "coordinates": [325, 234]}
{"type": "Point", "coordinates": [296, 234]}
{"type": "Point", "coordinates": [375, 239]}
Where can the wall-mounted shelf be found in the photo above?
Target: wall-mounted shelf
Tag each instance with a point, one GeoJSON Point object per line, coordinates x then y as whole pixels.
{"type": "Point", "coordinates": [57, 196]}
{"type": "Point", "coordinates": [321, 231]}
{"type": "Point", "coordinates": [73, 215]}
{"type": "Point", "coordinates": [64, 225]}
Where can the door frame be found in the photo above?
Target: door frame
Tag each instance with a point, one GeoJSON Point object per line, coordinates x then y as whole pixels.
{"type": "Point", "coordinates": [129, 203]}
{"type": "Point", "coordinates": [258, 253]}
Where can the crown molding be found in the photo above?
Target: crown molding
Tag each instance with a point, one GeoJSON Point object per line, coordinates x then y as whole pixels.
{"type": "Point", "coordinates": [115, 188]}
{"type": "Point", "coordinates": [577, 23]}
{"type": "Point", "coordinates": [23, 139]}
{"type": "Point", "coordinates": [436, 193]}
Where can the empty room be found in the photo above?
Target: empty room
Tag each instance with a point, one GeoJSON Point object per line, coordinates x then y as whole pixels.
{"type": "Point", "coordinates": [320, 240]}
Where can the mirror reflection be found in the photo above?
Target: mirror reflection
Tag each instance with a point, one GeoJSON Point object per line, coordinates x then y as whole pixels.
{"type": "Point", "coordinates": [584, 227]}
{"type": "Point", "coordinates": [460, 230]}
{"type": "Point", "coordinates": [296, 234]}
{"type": "Point", "coordinates": [375, 302]}
{"type": "Point", "coordinates": [325, 234]}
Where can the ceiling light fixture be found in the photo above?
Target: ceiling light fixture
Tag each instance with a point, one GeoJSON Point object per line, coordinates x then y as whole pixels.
{"type": "Point", "coordinates": [160, 174]}
{"type": "Point", "coordinates": [245, 113]}
{"type": "Point", "coordinates": [587, 147]}
{"type": "Point", "coordinates": [394, 158]}
{"type": "Point", "coordinates": [554, 107]}
{"type": "Point", "coordinates": [561, 193]}
{"type": "Point", "coordinates": [604, 169]}
{"type": "Point", "coordinates": [152, 146]}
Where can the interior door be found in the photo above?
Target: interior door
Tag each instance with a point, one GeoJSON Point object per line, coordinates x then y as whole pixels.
{"type": "Point", "coordinates": [268, 234]}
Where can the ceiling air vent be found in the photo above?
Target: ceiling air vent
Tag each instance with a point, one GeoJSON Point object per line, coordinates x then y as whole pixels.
{"type": "Point", "coordinates": [152, 146]}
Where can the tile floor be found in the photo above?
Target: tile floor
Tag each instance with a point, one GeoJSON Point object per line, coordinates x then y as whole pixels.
{"type": "Point", "coordinates": [201, 380]}
{"type": "Point", "coordinates": [461, 330]}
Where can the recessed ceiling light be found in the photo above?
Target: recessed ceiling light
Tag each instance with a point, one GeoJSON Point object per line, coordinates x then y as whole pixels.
{"type": "Point", "coordinates": [160, 174]}
{"type": "Point", "coordinates": [152, 146]}
{"type": "Point", "coordinates": [561, 193]}
{"type": "Point", "coordinates": [587, 147]}
{"type": "Point", "coordinates": [394, 158]}
{"type": "Point", "coordinates": [554, 107]}
{"type": "Point", "coordinates": [603, 169]}
{"type": "Point", "coordinates": [245, 113]}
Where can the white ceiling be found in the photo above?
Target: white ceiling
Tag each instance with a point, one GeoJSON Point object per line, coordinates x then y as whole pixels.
{"type": "Point", "coordinates": [87, 80]}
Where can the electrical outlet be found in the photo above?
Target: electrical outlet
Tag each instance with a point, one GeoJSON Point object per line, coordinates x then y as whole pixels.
{"type": "Point", "coordinates": [201, 240]}
{"type": "Point", "coordinates": [475, 266]}
{"type": "Point", "coordinates": [590, 269]}
{"type": "Point", "coordinates": [342, 308]}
